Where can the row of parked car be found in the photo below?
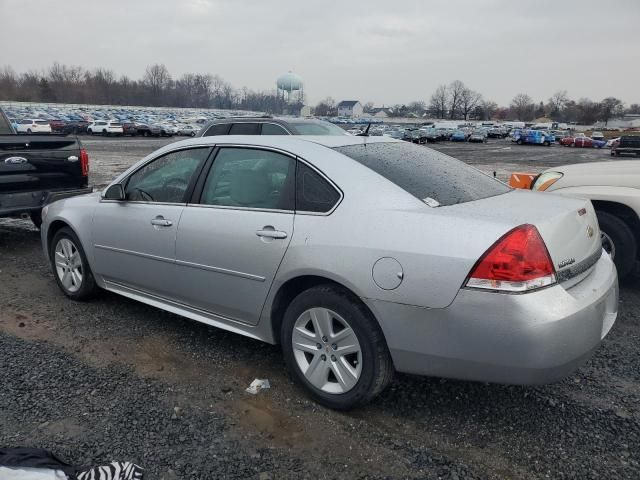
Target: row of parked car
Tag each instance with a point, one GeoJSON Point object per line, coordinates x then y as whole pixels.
{"type": "Point", "coordinates": [102, 127]}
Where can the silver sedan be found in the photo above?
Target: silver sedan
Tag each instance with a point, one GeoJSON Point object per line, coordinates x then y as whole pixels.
{"type": "Point", "coordinates": [359, 255]}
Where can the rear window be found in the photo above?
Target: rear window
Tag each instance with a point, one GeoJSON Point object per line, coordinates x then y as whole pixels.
{"type": "Point", "coordinates": [430, 176]}
{"type": "Point", "coordinates": [5, 128]}
{"type": "Point", "coordinates": [42, 122]}
{"type": "Point", "coordinates": [245, 129]}
{"type": "Point", "coordinates": [316, 128]}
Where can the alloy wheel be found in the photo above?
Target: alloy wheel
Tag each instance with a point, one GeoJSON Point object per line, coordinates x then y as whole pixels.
{"type": "Point", "coordinates": [68, 265]}
{"type": "Point", "coordinates": [327, 350]}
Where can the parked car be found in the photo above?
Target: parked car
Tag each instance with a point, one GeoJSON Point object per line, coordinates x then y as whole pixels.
{"type": "Point", "coordinates": [496, 132]}
{"type": "Point", "coordinates": [412, 135]}
{"type": "Point", "coordinates": [33, 125]}
{"type": "Point", "coordinates": [129, 128]}
{"type": "Point", "coordinates": [458, 136]}
{"type": "Point", "coordinates": [478, 136]}
{"type": "Point", "coordinates": [525, 299]}
{"type": "Point", "coordinates": [582, 142]}
{"type": "Point", "coordinates": [145, 130]}
{"type": "Point", "coordinates": [611, 142]}
{"type": "Point", "coordinates": [429, 133]}
{"type": "Point", "coordinates": [188, 130]}
{"type": "Point", "coordinates": [536, 137]}
{"type": "Point", "coordinates": [626, 144]}
{"type": "Point", "coordinates": [105, 127]}
{"type": "Point", "coordinates": [597, 136]}
{"type": "Point", "coordinates": [270, 126]}
{"type": "Point", "coordinates": [612, 188]}
{"type": "Point", "coordinates": [37, 168]}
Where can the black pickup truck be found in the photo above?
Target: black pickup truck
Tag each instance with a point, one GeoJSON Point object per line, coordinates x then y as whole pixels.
{"type": "Point", "coordinates": [626, 144]}
{"type": "Point", "coordinates": [38, 169]}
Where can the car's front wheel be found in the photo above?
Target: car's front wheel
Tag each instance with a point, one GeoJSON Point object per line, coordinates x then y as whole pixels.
{"type": "Point", "coordinates": [70, 266]}
{"type": "Point", "coordinates": [335, 348]}
{"type": "Point", "coordinates": [618, 240]}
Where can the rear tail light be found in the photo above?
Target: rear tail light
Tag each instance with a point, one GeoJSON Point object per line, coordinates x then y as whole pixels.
{"type": "Point", "coordinates": [84, 162]}
{"type": "Point", "coordinates": [517, 262]}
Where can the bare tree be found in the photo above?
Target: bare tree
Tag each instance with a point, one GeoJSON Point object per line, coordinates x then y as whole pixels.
{"type": "Point", "coordinates": [587, 111]}
{"type": "Point", "coordinates": [610, 107]}
{"type": "Point", "coordinates": [456, 90]}
{"type": "Point", "coordinates": [523, 107]}
{"type": "Point", "coordinates": [439, 102]}
{"type": "Point", "coordinates": [469, 100]}
{"type": "Point", "coordinates": [158, 78]}
{"type": "Point", "coordinates": [367, 107]}
{"type": "Point", "coordinates": [558, 100]}
{"type": "Point", "coordinates": [326, 108]}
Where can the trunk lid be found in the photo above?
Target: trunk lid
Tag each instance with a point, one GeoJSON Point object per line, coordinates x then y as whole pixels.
{"type": "Point", "coordinates": [37, 162]}
{"type": "Point", "coordinates": [568, 225]}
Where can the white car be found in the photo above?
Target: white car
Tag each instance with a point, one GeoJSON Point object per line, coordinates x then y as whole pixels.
{"type": "Point", "coordinates": [597, 135]}
{"type": "Point", "coordinates": [31, 125]}
{"type": "Point", "coordinates": [105, 127]}
{"type": "Point", "coordinates": [613, 190]}
{"type": "Point", "coordinates": [188, 130]}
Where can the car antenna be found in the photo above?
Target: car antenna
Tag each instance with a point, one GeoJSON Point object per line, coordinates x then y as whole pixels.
{"type": "Point", "coordinates": [366, 131]}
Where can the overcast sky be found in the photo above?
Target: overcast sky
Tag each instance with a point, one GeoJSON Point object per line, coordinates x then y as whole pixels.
{"type": "Point", "coordinates": [381, 51]}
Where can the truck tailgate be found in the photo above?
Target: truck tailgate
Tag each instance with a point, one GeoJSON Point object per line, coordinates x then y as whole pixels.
{"type": "Point", "coordinates": [40, 162]}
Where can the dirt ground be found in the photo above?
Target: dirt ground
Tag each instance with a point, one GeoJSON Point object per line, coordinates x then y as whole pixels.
{"type": "Point", "coordinates": [113, 379]}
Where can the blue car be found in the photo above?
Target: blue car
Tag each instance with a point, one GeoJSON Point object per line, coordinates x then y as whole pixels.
{"type": "Point", "coordinates": [458, 136]}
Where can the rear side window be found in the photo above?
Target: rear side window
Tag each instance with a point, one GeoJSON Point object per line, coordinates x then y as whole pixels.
{"type": "Point", "coordinates": [430, 176]}
{"type": "Point", "coordinates": [217, 129]}
{"type": "Point", "coordinates": [245, 129]}
{"type": "Point", "coordinates": [314, 193]}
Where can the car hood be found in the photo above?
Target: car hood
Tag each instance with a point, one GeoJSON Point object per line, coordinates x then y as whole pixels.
{"type": "Point", "coordinates": [614, 174]}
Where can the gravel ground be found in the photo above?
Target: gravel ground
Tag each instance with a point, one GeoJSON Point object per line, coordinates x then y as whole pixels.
{"type": "Point", "coordinates": [113, 379]}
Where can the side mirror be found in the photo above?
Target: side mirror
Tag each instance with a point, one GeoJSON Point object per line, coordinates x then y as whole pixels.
{"type": "Point", "coordinates": [114, 192]}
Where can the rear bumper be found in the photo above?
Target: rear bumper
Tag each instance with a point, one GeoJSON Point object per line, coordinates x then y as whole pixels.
{"type": "Point", "coordinates": [532, 338]}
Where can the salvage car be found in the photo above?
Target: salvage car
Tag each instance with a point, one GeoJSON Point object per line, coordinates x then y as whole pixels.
{"type": "Point", "coordinates": [34, 169]}
{"type": "Point", "coordinates": [458, 136]}
{"type": "Point", "coordinates": [380, 273]}
{"type": "Point", "coordinates": [33, 125]}
{"type": "Point", "coordinates": [272, 126]}
{"type": "Point", "coordinates": [612, 188]}
{"type": "Point", "coordinates": [105, 127]}
{"type": "Point", "coordinates": [478, 136]}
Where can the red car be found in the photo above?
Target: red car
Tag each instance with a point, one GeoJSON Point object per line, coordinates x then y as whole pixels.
{"type": "Point", "coordinates": [581, 142]}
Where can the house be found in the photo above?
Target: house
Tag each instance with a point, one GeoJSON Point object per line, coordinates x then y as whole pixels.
{"type": "Point", "coordinates": [350, 108]}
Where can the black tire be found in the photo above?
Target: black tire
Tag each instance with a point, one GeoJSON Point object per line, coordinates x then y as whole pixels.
{"type": "Point", "coordinates": [623, 241]}
{"type": "Point", "coordinates": [36, 218]}
{"type": "Point", "coordinates": [88, 287]}
{"type": "Point", "coordinates": [519, 141]}
{"type": "Point", "coordinates": [377, 366]}
{"type": "Point", "coordinates": [29, 131]}
{"type": "Point", "coordinates": [90, 132]}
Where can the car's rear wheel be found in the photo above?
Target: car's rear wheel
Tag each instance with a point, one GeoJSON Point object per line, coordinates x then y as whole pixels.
{"type": "Point", "coordinates": [519, 142]}
{"type": "Point", "coordinates": [335, 348]}
{"type": "Point", "coordinates": [618, 240]}
{"type": "Point", "coordinates": [70, 266]}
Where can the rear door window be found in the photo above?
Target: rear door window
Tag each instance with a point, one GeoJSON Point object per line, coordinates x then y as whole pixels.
{"type": "Point", "coordinates": [430, 176]}
{"type": "Point", "coordinates": [273, 129]}
{"type": "Point", "coordinates": [245, 129]}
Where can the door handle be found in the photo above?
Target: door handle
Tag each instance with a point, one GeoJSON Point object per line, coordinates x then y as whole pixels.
{"type": "Point", "coordinates": [270, 232]}
{"type": "Point", "coordinates": [160, 221]}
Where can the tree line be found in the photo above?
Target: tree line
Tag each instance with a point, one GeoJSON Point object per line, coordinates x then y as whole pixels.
{"type": "Point", "coordinates": [456, 101]}
{"type": "Point", "coordinates": [157, 88]}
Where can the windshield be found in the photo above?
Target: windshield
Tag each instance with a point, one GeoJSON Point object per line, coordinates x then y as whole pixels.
{"type": "Point", "coordinates": [316, 128]}
{"type": "Point", "coordinates": [424, 173]}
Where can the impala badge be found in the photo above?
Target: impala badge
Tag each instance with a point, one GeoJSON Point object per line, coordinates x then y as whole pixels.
{"type": "Point", "coordinates": [566, 262]}
{"type": "Point", "coordinates": [15, 160]}
{"type": "Point", "coordinates": [589, 231]}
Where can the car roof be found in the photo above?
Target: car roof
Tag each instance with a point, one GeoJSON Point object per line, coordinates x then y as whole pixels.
{"type": "Point", "coordinates": [284, 142]}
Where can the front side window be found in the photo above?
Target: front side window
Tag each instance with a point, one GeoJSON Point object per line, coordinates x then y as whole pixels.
{"type": "Point", "coordinates": [250, 178]}
{"type": "Point", "coordinates": [314, 193]}
{"type": "Point", "coordinates": [167, 178]}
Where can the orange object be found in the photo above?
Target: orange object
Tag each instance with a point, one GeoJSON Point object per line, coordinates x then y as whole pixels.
{"type": "Point", "coordinates": [522, 180]}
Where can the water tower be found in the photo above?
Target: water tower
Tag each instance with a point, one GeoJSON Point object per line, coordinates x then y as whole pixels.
{"type": "Point", "coordinates": [290, 88]}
